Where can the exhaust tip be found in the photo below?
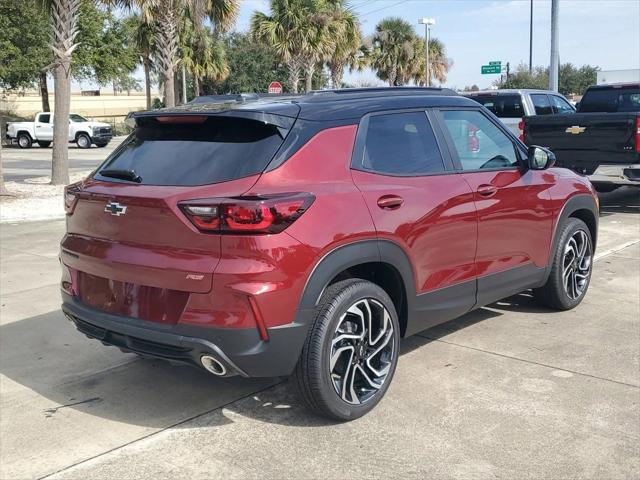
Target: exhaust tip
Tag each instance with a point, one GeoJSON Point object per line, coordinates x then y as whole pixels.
{"type": "Point", "coordinates": [213, 365]}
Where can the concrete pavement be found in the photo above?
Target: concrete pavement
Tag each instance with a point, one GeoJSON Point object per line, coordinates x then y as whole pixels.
{"type": "Point", "coordinates": [508, 391]}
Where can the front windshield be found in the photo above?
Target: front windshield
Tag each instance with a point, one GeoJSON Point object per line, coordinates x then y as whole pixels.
{"type": "Point", "coordinates": [74, 117]}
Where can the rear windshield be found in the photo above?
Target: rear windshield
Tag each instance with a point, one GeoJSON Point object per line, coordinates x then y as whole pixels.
{"type": "Point", "coordinates": [610, 100]}
{"type": "Point", "coordinates": [501, 105]}
{"type": "Point", "coordinates": [218, 149]}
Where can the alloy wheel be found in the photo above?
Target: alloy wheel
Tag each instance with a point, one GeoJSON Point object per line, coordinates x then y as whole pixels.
{"type": "Point", "coordinates": [576, 264]}
{"type": "Point", "coordinates": [362, 351]}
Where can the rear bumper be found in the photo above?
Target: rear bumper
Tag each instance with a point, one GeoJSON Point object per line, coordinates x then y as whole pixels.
{"type": "Point", "coordinates": [240, 349]}
{"type": "Point", "coordinates": [617, 175]}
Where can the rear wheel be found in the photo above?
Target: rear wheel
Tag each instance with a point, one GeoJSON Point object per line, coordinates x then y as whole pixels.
{"type": "Point", "coordinates": [571, 270]}
{"type": "Point", "coordinates": [83, 141]}
{"type": "Point", "coordinates": [351, 351]}
{"type": "Point", "coordinates": [24, 140]}
{"type": "Point", "coordinates": [44, 144]}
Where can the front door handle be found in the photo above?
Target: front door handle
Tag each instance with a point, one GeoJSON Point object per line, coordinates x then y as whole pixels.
{"type": "Point", "coordinates": [487, 190]}
{"type": "Point", "coordinates": [390, 202]}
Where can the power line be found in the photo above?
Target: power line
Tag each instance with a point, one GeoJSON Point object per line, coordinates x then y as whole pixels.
{"type": "Point", "coordinates": [382, 8]}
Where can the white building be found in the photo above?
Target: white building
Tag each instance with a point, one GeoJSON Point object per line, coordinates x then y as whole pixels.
{"type": "Point", "coordinates": [618, 76]}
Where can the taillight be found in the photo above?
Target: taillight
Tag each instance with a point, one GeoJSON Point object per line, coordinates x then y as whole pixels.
{"type": "Point", "coordinates": [637, 134]}
{"type": "Point", "coordinates": [71, 197]}
{"type": "Point", "coordinates": [266, 214]}
{"type": "Point", "coordinates": [521, 128]}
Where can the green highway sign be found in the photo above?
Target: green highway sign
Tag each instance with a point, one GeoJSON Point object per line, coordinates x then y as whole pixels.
{"type": "Point", "coordinates": [497, 62]}
{"type": "Point", "coordinates": [487, 69]}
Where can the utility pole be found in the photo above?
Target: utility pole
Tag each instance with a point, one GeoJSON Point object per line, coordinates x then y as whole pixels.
{"type": "Point", "coordinates": [555, 53]}
{"type": "Point", "coordinates": [184, 84]}
{"type": "Point", "coordinates": [508, 71]}
{"type": "Point", "coordinates": [427, 22]}
{"type": "Point", "coordinates": [531, 39]}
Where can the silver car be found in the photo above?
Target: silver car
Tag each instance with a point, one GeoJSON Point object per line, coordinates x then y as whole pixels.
{"type": "Point", "coordinates": [511, 105]}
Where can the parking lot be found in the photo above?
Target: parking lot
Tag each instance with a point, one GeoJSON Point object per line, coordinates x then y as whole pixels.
{"type": "Point", "coordinates": [508, 391]}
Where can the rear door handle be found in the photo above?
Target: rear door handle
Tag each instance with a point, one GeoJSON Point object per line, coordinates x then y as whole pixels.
{"type": "Point", "coordinates": [390, 202]}
{"type": "Point", "coordinates": [487, 190]}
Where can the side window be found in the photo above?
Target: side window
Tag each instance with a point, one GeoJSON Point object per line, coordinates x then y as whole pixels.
{"type": "Point", "coordinates": [541, 104]}
{"type": "Point", "coordinates": [401, 144]}
{"type": "Point", "coordinates": [479, 142]}
{"type": "Point", "coordinates": [560, 105]}
{"type": "Point", "coordinates": [44, 118]}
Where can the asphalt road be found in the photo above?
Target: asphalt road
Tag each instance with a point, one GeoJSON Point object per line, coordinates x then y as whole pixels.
{"type": "Point", "coordinates": [508, 391]}
{"type": "Point", "coordinates": [20, 164]}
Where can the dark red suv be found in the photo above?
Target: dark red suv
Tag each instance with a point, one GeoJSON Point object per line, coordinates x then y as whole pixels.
{"type": "Point", "coordinates": [308, 235]}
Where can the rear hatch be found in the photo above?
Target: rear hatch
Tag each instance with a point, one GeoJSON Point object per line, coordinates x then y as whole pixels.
{"type": "Point", "coordinates": [129, 247]}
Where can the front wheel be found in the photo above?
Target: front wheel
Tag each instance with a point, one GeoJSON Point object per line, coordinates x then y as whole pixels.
{"type": "Point", "coordinates": [351, 351]}
{"type": "Point", "coordinates": [83, 141]}
{"type": "Point", "coordinates": [571, 269]}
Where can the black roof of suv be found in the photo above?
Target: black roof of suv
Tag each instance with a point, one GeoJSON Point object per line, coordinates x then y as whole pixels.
{"type": "Point", "coordinates": [324, 105]}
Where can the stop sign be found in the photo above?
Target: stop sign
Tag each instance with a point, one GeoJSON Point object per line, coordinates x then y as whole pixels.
{"type": "Point", "coordinates": [275, 87]}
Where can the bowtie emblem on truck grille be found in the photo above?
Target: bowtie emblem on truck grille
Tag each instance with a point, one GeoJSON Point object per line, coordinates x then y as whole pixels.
{"type": "Point", "coordinates": [575, 130]}
{"type": "Point", "coordinates": [114, 208]}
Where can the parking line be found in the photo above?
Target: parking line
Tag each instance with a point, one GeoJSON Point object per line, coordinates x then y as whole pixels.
{"type": "Point", "coordinates": [614, 250]}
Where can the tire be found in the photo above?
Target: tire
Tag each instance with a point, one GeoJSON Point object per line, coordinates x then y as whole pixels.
{"type": "Point", "coordinates": [564, 292]}
{"type": "Point", "coordinates": [24, 140]}
{"type": "Point", "coordinates": [44, 144]}
{"type": "Point", "coordinates": [342, 312]}
{"type": "Point", "coordinates": [83, 141]}
{"type": "Point", "coordinates": [101, 145]}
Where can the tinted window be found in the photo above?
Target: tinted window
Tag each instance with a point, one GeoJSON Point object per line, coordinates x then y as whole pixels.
{"type": "Point", "coordinates": [611, 100]}
{"type": "Point", "coordinates": [74, 117]}
{"type": "Point", "coordinates": [217, 150]}
{"type": "Point", "coordinates": [541, 104]}
{"type": "Point", "coordinates": [560, 105]}
{"type": "Point", "coordinates": [44, 118]}
{"type": "Point", "coordinates": [501, 105]}
{"type": "Point", "coordinates": [401, 144]}
{"type": "Point", "coordinates": [479, 142]}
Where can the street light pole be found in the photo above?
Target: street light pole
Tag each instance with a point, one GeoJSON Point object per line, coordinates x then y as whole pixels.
{"type": "Point", "coordinates": [531, 39]}
{"type": "Point", "coordinates": [555, 49]}
{"type": "Point", "coordinates": [427, 22]}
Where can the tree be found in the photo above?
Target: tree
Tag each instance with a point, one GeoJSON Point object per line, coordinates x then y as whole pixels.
{"type": "Point", "coordinates": [439, 64]}
{"type": "Point", "coordinates": [165, 15]}
{"type": "Point", "coordinates": [144, 38]}
{"type": "Point", "coordinates": [347, 43]}
{"type": "Point", "coordinates": [393, 50]}
{"type": "Point", "coordinates": [252, 66]}
{"type": "Point", "coordinates": [290, 30]}
{"type": "Point", "coordinates": [24, 47]}
{"type": "Point", "coordinates": [572, 80]}
{"type": "Point", "coordinates": [202, 55]}
{"type": "Point", "coordinates": [64, 29]}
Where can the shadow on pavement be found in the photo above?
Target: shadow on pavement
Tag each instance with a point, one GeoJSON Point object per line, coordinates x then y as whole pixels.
{"type": "Point", "coordinates": [47, 355]}
{"type": "Point", "coordinates": [622, 200]}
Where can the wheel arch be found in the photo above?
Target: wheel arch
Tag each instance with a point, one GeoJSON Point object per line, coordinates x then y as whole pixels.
{"type": "Point", "coordinates": [583, 207]}
{"type": "Point", "coordinates": [380, 261]}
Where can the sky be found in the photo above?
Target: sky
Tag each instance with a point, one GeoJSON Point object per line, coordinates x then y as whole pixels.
{"type": "Point", "coordinates": [604, 33]}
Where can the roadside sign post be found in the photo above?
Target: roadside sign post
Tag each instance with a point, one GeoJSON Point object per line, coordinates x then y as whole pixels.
{"type": "Point", "coordinates": [275, 88]}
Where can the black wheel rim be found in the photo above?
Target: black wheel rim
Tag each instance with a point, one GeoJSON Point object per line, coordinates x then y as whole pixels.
{"type": "Point", "coordinates": [576, 264]}
{"type": "Point", "coordinates": [362, 351]}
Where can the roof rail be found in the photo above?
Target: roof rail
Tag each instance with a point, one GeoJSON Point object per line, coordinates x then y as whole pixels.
{"type": "Point", "coordinates": [319, 95]}
{"type": "Point", "coordinates": [231, 97]}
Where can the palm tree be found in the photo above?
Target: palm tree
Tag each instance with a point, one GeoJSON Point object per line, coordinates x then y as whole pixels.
{"type": "Point", "coordinates": [165, 15]}
{"type": "Point", "coordinates": [439, 64]}
{"type": "Point", "coordinates": [202, 55]}
{"type": "Point", "coordinates": [347, 43]}
{"type": "Point", "coordinates": [145, 45]}
{"type": "Point", "coordinates": [394, 50]}
{"type": "Point", "coordinates": [64, 22]}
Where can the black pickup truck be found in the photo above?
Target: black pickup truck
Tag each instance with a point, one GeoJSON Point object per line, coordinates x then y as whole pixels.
{"type": "Point", "coordinates": [601, 140]}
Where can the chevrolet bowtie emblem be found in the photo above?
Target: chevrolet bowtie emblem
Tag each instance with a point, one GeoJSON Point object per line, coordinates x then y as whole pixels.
{"type": "Point", "coordinates": [575, 130]}
{"type": "Point", "coordinates": [115, 208]}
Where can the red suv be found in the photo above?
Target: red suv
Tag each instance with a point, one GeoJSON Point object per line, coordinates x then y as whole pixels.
{"type": "Point", "coordinates": [308, 235]}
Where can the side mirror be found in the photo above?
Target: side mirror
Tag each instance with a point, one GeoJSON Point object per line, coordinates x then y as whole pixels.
{"type": "Point", "coordinates": [540, 158]}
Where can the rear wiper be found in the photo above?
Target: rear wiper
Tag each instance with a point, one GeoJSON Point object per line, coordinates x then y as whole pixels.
{"type": "Point", "coordinates": [129, 175]}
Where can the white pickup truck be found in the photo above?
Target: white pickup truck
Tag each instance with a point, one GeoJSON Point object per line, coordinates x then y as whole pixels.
{"type": "Point", "coordinates": [83, 132]}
